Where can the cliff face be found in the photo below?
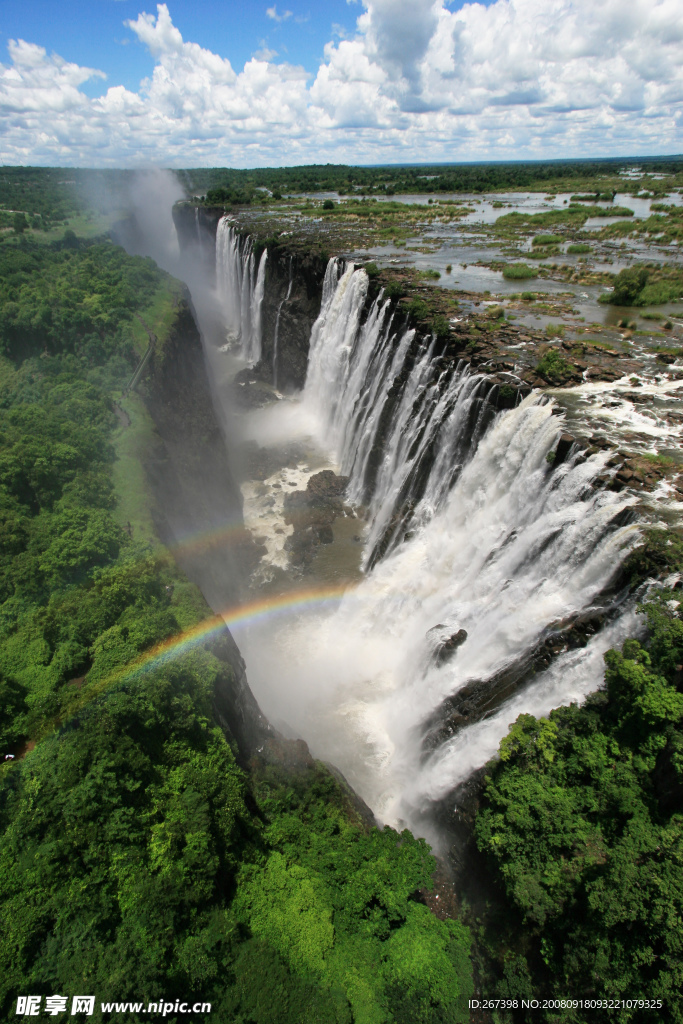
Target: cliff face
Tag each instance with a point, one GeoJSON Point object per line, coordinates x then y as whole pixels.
{"type": "Point", "coordinates": [292, 317]}
{"type": "Point", "coordinates": [198, 505]}
{"type": "Point", "coordinates": [293, 290]}
{"type": "Point", "coordinates": [196, 230]}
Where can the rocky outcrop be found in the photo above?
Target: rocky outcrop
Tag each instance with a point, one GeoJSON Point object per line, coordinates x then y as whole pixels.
{"type": "Point", "coordinates": [445, 644]}
{"type": "Point", "coordinates": [480, 698]}
{"type": "Point", "coordinates": [312, 513]}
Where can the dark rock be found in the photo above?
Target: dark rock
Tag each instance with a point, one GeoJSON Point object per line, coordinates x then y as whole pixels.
{"type": "Point", "coordinates": [564, 446]}
{"type": "Point", "coordinates": [327, 484]}
{"type": "Point", "coordinates": [445, 646]}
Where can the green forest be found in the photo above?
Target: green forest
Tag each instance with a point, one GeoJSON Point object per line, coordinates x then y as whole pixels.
{"type": "Point", "coordinates": [138, 856]}
{"type": "Point", "coordinates": [582, 827]}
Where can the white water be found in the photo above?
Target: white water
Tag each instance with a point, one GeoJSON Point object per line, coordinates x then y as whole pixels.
{"type": "Point", "coordinates": [514, 549]}
{"type": "Point", "coordinates": [276, 333]}
{"type": "Point", "coordinates": [432, 428]}
{"type": "Point", "coordinates": [501, 546]}
{"type": "Point", "coordinates": [241, 287]}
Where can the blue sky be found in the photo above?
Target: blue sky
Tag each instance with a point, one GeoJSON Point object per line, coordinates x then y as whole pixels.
{"type": "Point", "coordinates": [92, 32]}
{"type": "Point", "coordinates": [131, 83]}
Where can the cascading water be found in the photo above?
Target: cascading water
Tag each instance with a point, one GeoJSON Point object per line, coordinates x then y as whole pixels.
{"type": "Point", "coordinates": [502, 547]}
{"type": "Point", "coordinates": [276, 333]}
{"type": "Point", "coordinates": [400, 453]}
{"type": "Point", "coordinates": [241, 286]}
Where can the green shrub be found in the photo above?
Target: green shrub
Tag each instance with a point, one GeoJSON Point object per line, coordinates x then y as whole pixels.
{"type": "Point", "coordinates": [418, 309]}
{"type": "Point", "coordinates": [634, 286]}
{"type": "Point", "coordinates": [430, 275]}
{"type": "Point", "coordinates": [395, 290]}
{"type": "Point", "coordinates": [554, 330]}
{"type": "Point", "coordinates": [441, 326]}
{"type": "Point", "coordinates": [546, 240]}
{"type": "Point", "coordinates": [553, 365]}
{"type": "Point", "coordinates": [657, 293]}
{"type": "Point", "coordinates": [628, 284]}
{"type": "Point", "coordinates": [328, 204]}
{"type": "Point", "coordinates": [529, 296]}
{"type": "Point", "coordinates": [371, 269]}
{"type": "Point", "coordinates": [519, 271]}
{"type": "Point", "coordinates": [577, 248]}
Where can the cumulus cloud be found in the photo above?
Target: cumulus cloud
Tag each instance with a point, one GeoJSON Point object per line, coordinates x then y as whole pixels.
{"type": "Point", "coordinates": [417, 81]}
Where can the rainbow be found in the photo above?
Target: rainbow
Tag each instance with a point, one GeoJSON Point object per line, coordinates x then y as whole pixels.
{"type": "Point", "coordinates": [253, 611]}
{"type": "Point", "coordinates": [198, 543]}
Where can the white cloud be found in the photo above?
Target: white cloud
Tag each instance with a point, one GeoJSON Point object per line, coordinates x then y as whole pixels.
{"type": "Point", "coordinates": [271, 12]}
{"type": "Point", "coordinates": [417, 81]}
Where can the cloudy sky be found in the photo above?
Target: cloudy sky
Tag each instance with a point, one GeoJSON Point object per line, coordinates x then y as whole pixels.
{"type": "Point", "coordinates": [222, 82]}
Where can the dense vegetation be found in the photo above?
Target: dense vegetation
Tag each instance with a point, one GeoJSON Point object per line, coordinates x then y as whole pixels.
{"type": "Point", "coordinates": [49, 196]}
{"type": "Point", "coordinates": [566, 175]}
{"type": "Point", "coordinates": [150, 863]}
{"type": "Point", "coordinates": [138, 860]}
{"type": "Point", "coordinates": [645, 286]}
{"type": "Point", "coordinates": [582, 823]}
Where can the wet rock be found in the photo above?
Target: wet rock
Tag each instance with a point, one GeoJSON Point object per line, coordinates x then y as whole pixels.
{"type": "Point", "coordinates": [564, 446]}
{"type": "Point", "coordinates": [327, 484]}
{"type": "Point", "coordinates": [445, 645]}
{"type": "Point", "coordinates": [312, 513]}
{"type": "Point", "coordinates": [480, 698]}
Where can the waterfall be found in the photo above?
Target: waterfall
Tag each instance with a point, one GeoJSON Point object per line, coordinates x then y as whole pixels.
{"type": "Point", "coordinates": [241, 288]}
{"type": "Point", "coordinates": [399, 452]}
{"type": "Point", "coordinates": [503, 551]}
{"type": "Point", "coordinates": [276, 333]}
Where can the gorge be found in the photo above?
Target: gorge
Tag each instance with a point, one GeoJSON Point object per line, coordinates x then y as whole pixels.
{"type": "Point", "coordinates": [340, 645]}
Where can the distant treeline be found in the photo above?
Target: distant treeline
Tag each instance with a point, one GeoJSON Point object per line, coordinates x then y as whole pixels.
{"type": "Point", "coordinates": [484, 177]}
{"type": "Point", "coordinates": [53, 194]}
